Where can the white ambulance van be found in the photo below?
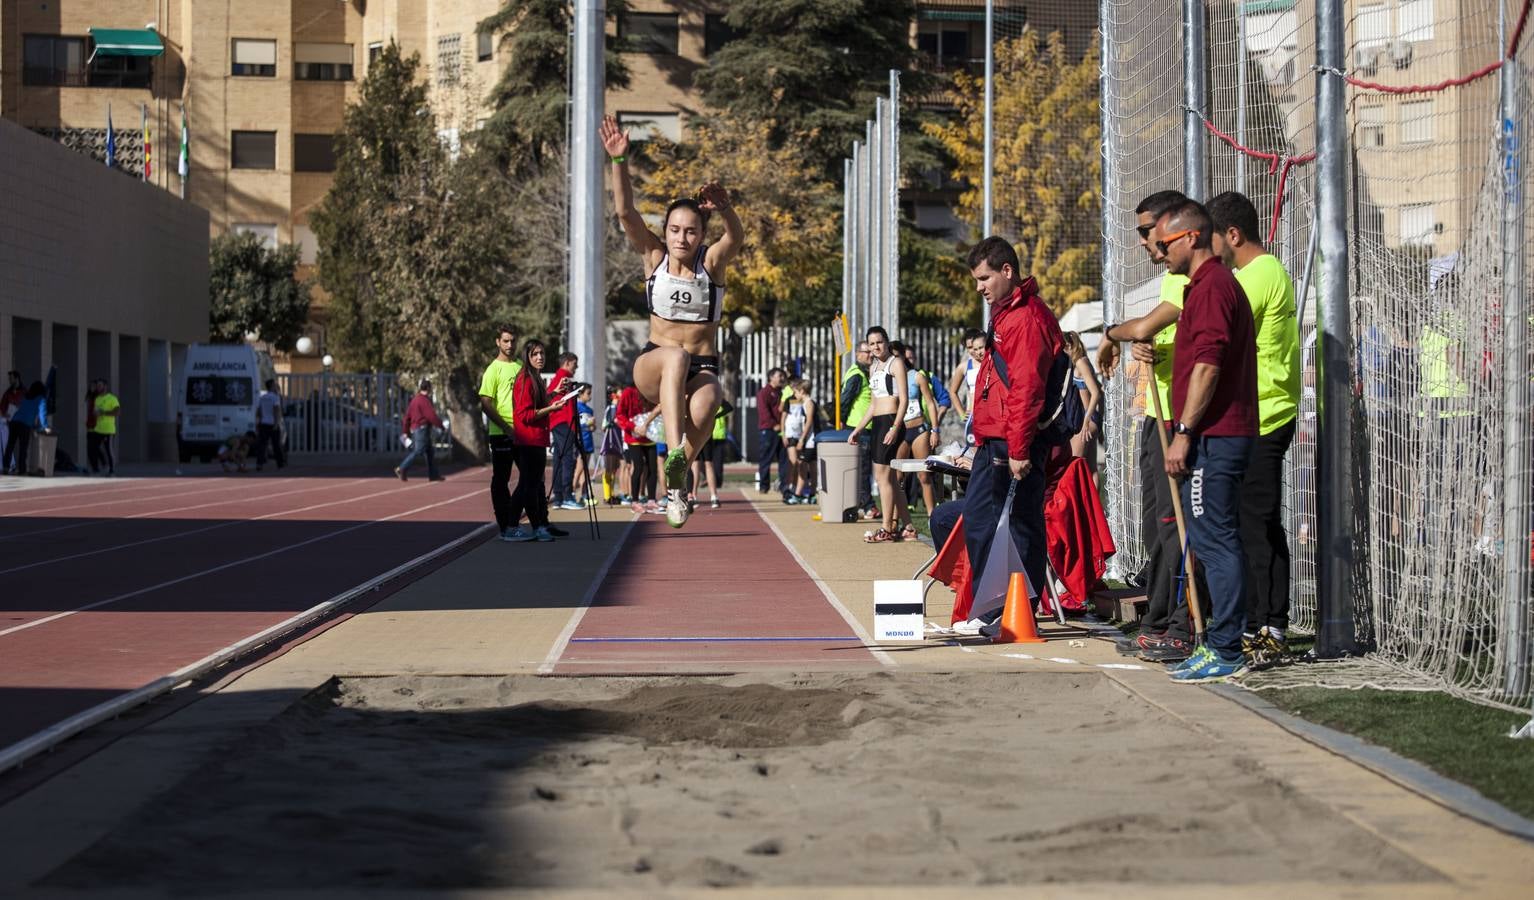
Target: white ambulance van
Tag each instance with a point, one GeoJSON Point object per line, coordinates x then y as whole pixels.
{"type": "Point", "coordinates": [218, 388]}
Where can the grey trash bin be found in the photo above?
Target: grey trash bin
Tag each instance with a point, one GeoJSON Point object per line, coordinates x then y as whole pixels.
{"type": "Point", "coordinates": [838, 476]}
{"type": "Point", "coordinates": [41, 454]}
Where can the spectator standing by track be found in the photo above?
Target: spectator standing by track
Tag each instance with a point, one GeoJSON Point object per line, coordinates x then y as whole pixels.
{"type": "Point", "coordinates": [104, 430]}
{"type": "Point", "coordinates": [565, 433]}
{"type": "Point", "coordinates": [9, 401]}
{"type": "Point", "coordinates": [497, 400]}
{"type": "Point", "coordinates": [633, 417]}
{"type": "Point", "coordinates": [856, 395]}
{"type": "Point", "coordinates": [420, 418]}
{"type": "Point", "coordinates": [531, 410]}
{"type": "Point", "coordinates": [31, 416]}
{"type": "Point", "coordinates": [1214, 397]}
{"type": "Point", "coordinates": [269, 426]}
{"type": "Point", "coordinates": [769, 423]}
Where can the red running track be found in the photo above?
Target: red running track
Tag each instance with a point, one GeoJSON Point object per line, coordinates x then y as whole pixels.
{"type": "Point", "coordinates": [109, 586]}
{"type": "Point", "coordinates": [722, 594]}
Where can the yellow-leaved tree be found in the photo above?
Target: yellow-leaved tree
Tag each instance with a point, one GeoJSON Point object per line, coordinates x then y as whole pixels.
{"type": "Point", "coordinates": [790, 213]}
{"type": "Point", "coordinates": [1047, 184]}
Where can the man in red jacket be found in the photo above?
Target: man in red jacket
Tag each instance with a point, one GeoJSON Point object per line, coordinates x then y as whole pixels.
{"type": "Point", "coordinates": [1016, 393]}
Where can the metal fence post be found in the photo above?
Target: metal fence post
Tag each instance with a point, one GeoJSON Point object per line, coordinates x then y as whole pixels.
{"type": "Point", "coordinates": [1115, 393]}
{"type": "Point", "coordinates": [891, 249]}
{"type": "Point", "coordinates": [1195, 168]}
{"type": "Point", "coordinates": [587, 295]}
{"type": "Point", "coordinates": [1334, 496]}
{"type": "Point", "coordinates": [1515, 381]}
{"type": "Point", "coordinates": [989, 138]}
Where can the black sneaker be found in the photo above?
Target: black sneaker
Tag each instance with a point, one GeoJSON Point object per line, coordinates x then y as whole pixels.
{"type": "Point", "coordinates": [557, 531]}
{"type": "Point", "coordinates": [1167, 650]}
{"type": "Point", "coordinates": [1266, 650]}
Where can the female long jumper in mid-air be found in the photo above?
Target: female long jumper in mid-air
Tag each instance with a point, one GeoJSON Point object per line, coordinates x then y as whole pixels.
{"type": "Point", "coordinates": [679, 368]}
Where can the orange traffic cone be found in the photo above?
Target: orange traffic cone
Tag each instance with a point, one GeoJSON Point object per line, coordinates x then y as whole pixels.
{"type": "Point", "coordinates": [1017, 616]}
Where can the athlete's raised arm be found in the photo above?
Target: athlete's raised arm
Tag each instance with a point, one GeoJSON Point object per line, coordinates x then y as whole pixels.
{"type": "Point", "coordinates": [714, 197]}
{"type": "Point", "coordinates": [616, 142]}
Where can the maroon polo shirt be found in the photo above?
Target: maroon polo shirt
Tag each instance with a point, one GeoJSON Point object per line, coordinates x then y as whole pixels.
{"type": "Point", "coordinates": [1216, 327]}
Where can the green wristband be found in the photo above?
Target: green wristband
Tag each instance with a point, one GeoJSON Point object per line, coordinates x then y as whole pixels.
{"type": "Point", "coordinates": [619, 159]}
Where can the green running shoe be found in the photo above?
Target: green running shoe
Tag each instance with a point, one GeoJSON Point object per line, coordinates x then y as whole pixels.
{"type": "Point", "coordinates": [676, 469]}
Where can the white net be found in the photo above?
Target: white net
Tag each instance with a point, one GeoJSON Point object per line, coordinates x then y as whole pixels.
{"type": "Point", "coordinates": [1440, 309]}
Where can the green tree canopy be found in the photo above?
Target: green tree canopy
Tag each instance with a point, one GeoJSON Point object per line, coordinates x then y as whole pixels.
{"type": "Point", "coordinates": [255, 289]}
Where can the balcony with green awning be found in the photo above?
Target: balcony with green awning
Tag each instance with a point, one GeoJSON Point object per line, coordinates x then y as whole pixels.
{"type": "Point", "coordinates": [126, 42]}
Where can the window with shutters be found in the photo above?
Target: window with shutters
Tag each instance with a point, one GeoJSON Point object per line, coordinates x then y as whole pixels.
{"type": "Point", "coordinates": [654, 33]}
{"type": "Point", "coordinates": [322, 62]}
{"type": "Point", "coordinates": [254, 57]}
{"type": "Point", "coordinates": [253, 150]}
{"type": "Point", "coordinates": [314, 153]}
{"type": "Point", "coordinates": [1418, 224]}
{"type": "Point", "coordinates": [1414, 20]}
{"type": "Point", "coordinates": [1371, 126]}
{"type": "Point", "coordinates": [486, 46]}
{"type": "Point", "coordinates": [1417, 122]}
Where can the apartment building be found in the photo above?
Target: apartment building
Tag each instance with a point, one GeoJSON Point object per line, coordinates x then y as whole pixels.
{"type": "Point", "coordinates": [1422, 158]}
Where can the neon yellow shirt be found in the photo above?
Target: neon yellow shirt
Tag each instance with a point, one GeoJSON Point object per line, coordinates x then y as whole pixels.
{"type": "Point", "coordinates": [1171, 292]}
{"type": "Point", "coordinates": [1271, 293]}
{"type": "Point", "coordinates": [1440, 382]}
{"type": "Point", "coordinates": [499, 381]}
{"type": "Point", "coordinates": [720, 425]}
{"type": "Point", "coordinates": [106, 403]}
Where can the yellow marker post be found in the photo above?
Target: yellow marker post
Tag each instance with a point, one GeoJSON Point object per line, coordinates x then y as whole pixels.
{"type": "Point", "coordinates": [841, 339]}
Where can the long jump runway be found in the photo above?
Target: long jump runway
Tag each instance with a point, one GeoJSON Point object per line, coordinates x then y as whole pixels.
{"type": "Point", "coordinates": [722, 594]}
{"type": "Point", "coordinates": [110, 586]}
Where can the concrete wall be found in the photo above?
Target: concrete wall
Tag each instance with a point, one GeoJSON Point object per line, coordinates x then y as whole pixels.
{"type": "Point", "coordinates": [97, 268]}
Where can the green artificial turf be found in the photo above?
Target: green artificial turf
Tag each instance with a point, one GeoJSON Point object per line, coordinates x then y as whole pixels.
{"type": "Point", "coordinates": [1455, 738]}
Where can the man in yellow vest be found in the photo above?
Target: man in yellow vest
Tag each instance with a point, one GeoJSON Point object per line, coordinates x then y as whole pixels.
{"type": "Point", "coordinates": [1237, 241]}
{"type": "Point", "coordinates": [856, 395]}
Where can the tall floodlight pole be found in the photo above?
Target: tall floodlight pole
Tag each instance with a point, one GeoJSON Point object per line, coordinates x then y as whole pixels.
{"type": "Point", "coordinates": [870, 189]}
{"type": "Point", "coordinates": [849, 307]}
{"type": "Point", "coordinates": [855, 242]}
{"type": "Point", "coordinates": [1194, 171]}
{"type": "Point", "coordinates": [892, 203]}
{"type": "Point", "coordinates": [1515, 381]}
{"type": "Point", "coordinates": [587, 299]}
{"type": "Point", "coordinates": [876, 248]}
{"type": "Point", "coordinates": [989, 140]}
{"type": "Point", "coordinates": [1334, 445]}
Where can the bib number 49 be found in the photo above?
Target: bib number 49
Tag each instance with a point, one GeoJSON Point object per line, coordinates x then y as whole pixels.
{"type": "Point", "coordinates": [681, 296]}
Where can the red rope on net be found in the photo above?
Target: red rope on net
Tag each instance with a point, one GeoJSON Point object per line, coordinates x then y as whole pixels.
{"type": "Point", "coordinates": [1277, 163]}
{"type": "Point", "coordinates": [1477, 75]}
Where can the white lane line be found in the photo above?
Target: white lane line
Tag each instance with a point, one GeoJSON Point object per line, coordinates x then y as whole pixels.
{"type": "Point", "coordinates": [206, 528]}
{"type": "Point", "coordinates": [579, 613]}
{"type": "Point", "coordinates": [176, 509]}
{"type": "Point", "coordinates": [846, 614]}
{"type": "Point", "coordinates": [55, 734]}
{"type": "Point", "coordinates": [50, 510]}
{"type": "Point", "coordinates": [229, 565]}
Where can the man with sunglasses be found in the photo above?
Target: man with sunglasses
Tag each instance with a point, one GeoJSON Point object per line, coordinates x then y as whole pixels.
{"type": "Point", "coordinates": [1214, 399]}
{"type": "Point", "coordinates": [1165, 633]}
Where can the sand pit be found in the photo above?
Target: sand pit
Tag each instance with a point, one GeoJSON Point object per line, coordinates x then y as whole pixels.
{"type": "Point", "coordinates": [421, 782]}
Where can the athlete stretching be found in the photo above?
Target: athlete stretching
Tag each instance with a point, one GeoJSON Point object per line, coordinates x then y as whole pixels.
{"type": "Point", "coordinates": [678, 369]}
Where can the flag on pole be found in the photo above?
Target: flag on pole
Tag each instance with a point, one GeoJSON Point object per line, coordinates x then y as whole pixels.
{"type": "Point", "coordinates": [111, 140]}
{"type": "Point", "coordinates": [183, 165]}
{"type": "Point", "coordinates": [148, 143]}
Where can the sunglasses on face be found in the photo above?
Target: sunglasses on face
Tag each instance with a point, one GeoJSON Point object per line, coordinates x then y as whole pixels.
{"type": "Point", "coordinates": [1174, 238]}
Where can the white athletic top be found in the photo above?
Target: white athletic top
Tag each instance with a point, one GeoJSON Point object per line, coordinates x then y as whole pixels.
{"type": "Point", "coordinates": [682, 298]}
{"type": "Point", "coordinates": [912, 396]}
{"type": "Point", "coordinates": [880, 382]}
{"type": "Point", "coordinates": [793, 423]}
{"type": "Point", "coordinates": [971, 372]}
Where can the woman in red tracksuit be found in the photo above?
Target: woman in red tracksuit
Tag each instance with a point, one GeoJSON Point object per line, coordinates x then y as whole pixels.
{"type": "Point", "coordinates": [633, 416]}
{"type": "Point", "coordinates": [530, 422]}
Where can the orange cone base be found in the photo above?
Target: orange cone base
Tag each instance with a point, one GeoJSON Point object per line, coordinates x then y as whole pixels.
{"type": "Point", "coordinates": [1017, 625]}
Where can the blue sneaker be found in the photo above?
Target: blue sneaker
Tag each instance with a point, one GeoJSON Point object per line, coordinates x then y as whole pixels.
{"type": "Point", "coordinates": [1195, 658]}
{"type": "Point", "coordinates": [518, 535]}
{"type": "Point", "coordinates": [1213, 667]}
